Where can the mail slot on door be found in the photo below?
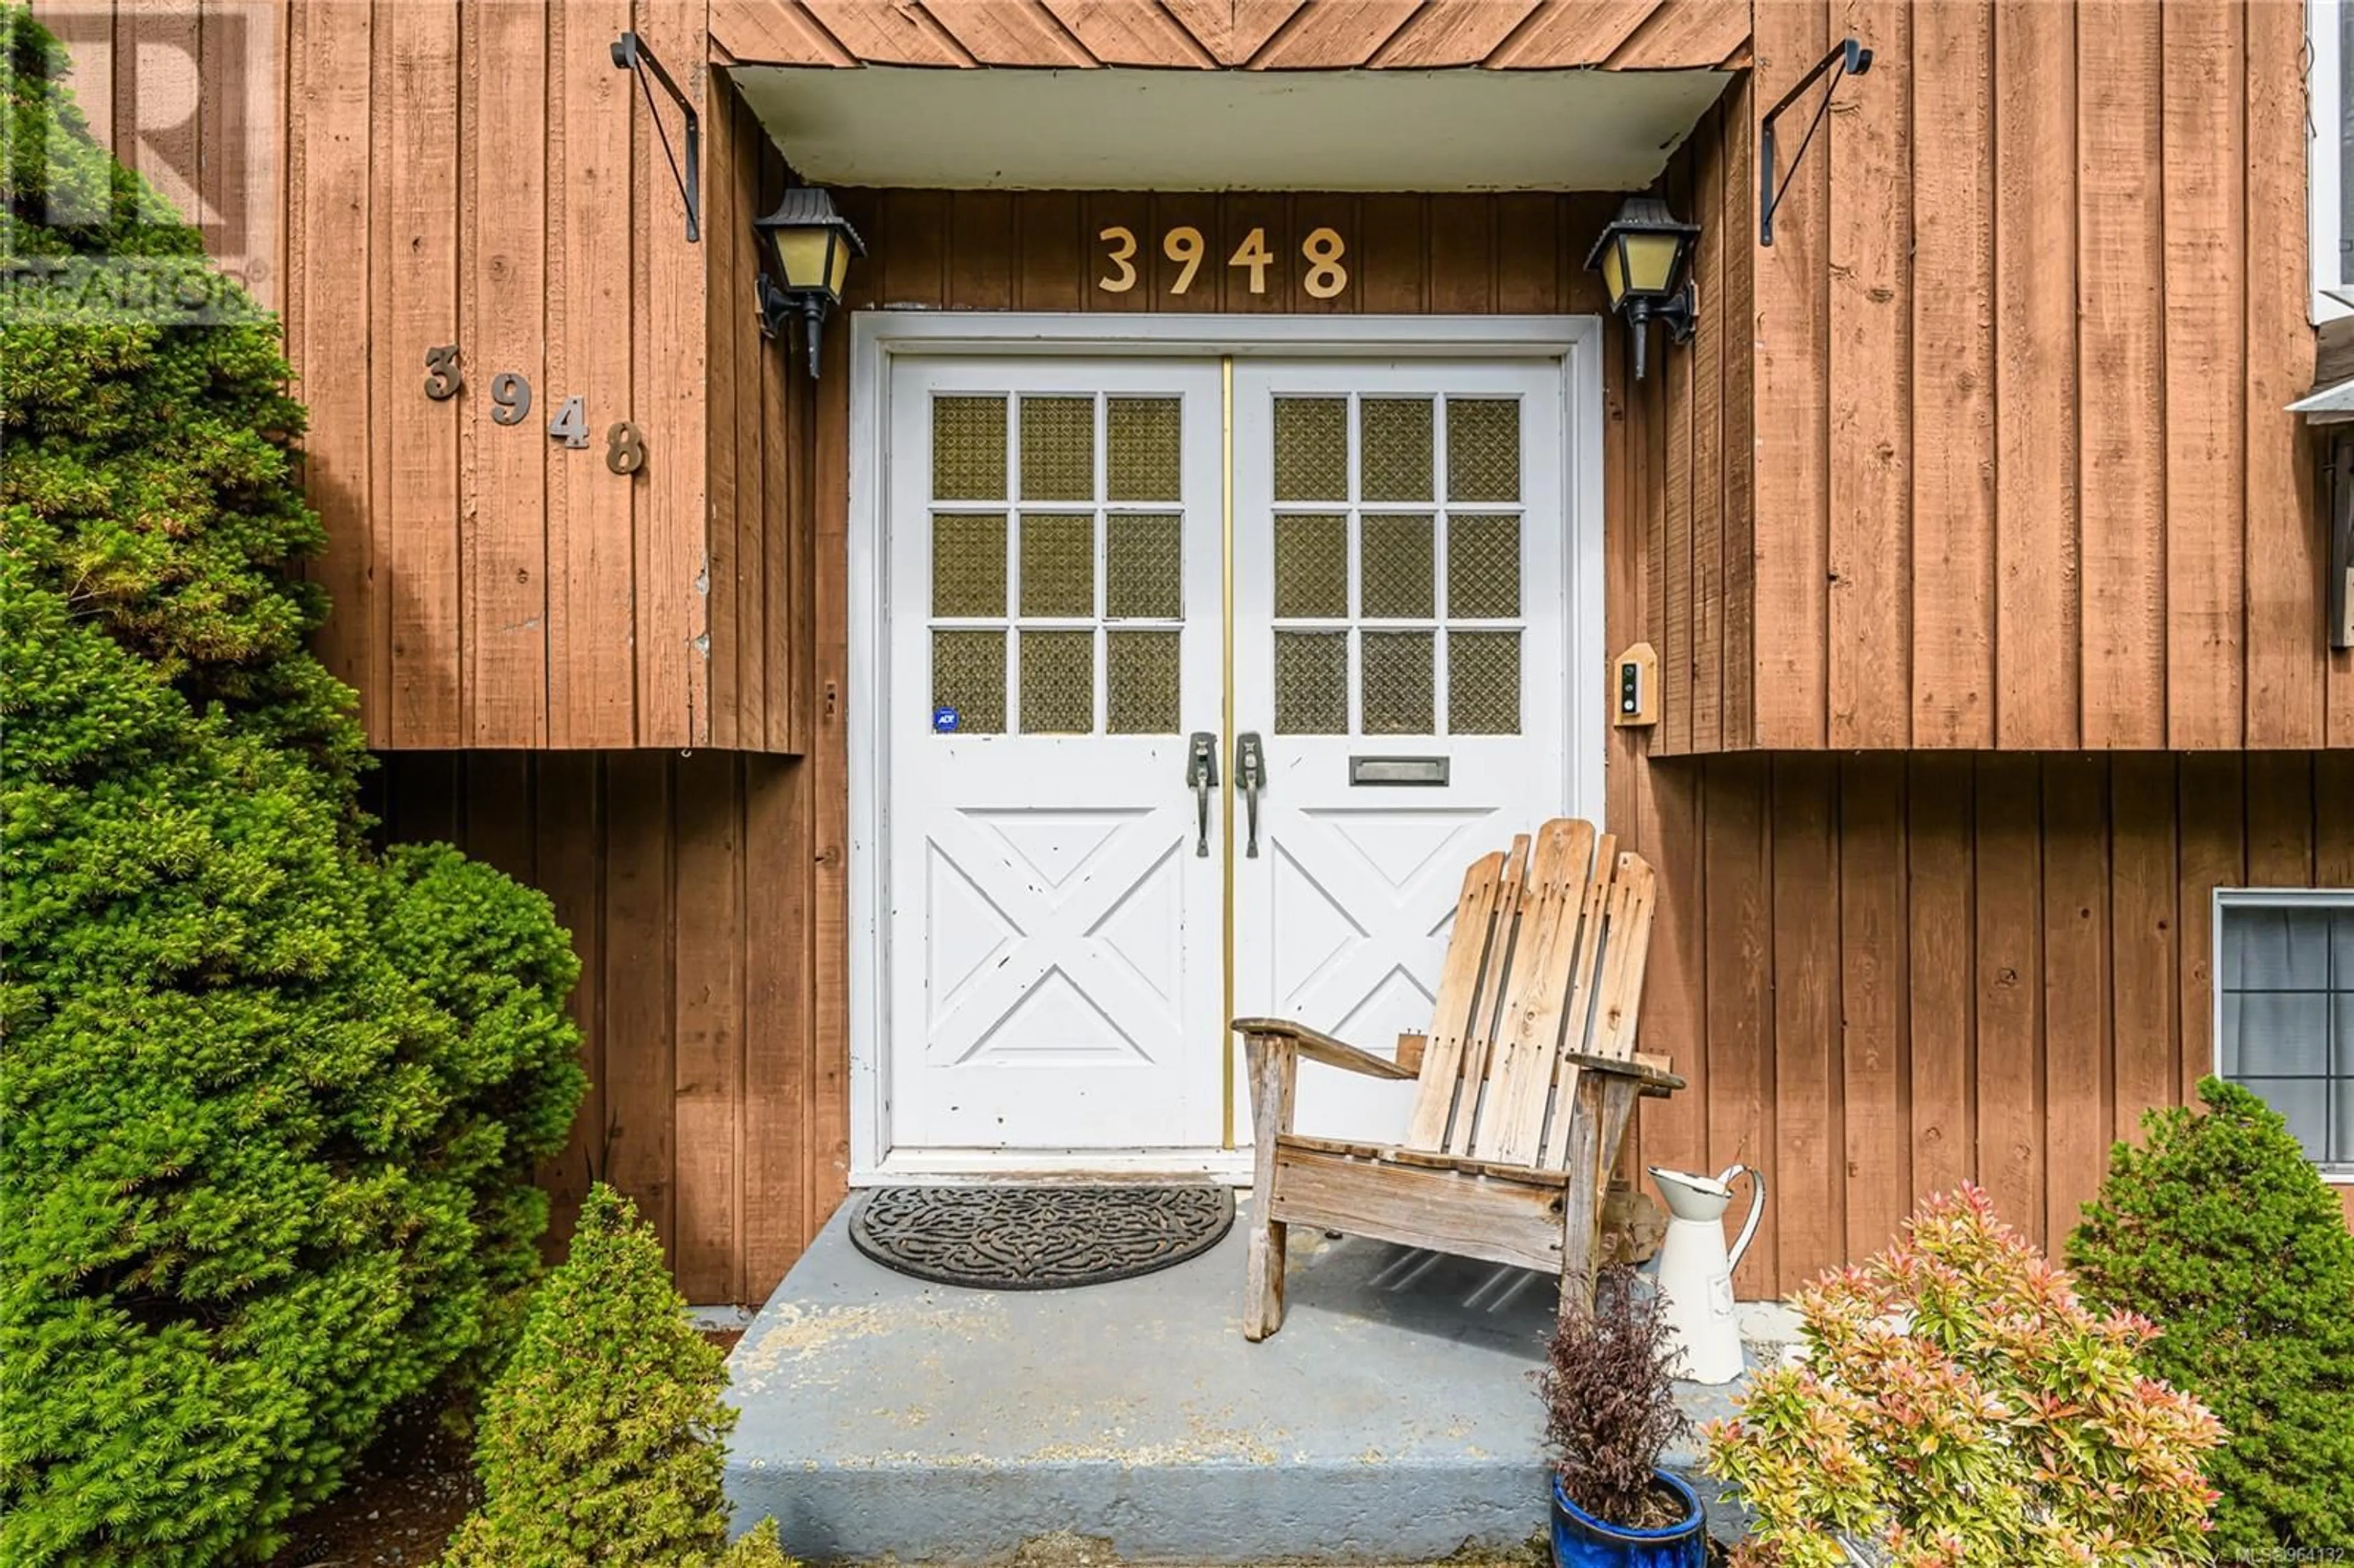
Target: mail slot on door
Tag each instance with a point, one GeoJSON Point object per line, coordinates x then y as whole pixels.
{"type": "Point", "coordinates": [1397, 770]}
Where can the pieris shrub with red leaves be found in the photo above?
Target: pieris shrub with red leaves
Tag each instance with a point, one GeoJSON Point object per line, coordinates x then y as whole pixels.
{"type": "Point", "coordinates": [1960, 1406]}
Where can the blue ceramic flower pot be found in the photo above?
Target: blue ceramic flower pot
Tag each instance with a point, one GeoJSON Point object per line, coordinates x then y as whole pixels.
{"type": "Point", "coordinates": [1582, 1540]}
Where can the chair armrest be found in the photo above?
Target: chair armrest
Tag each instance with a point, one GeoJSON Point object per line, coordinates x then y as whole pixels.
{"type": "Point", "coordinates": [1318, 1046]}
{"type": "Point", "coordinates": [1654, 1080]}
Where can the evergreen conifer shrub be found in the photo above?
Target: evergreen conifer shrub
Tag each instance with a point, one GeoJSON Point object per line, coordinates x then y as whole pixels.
{"type": "Point", "coordinates": [2219, 1230]}
{"type": "Point", "coordinates": [269, 1105]}
{"type": "Point", "coordinates": [604, 1439]}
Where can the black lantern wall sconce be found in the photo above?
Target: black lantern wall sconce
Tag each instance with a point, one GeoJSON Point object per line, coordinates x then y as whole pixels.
{"type": "Point", "coordinates": [809, 247]}
{"type": "Point", "coordinates": [1645, 260]}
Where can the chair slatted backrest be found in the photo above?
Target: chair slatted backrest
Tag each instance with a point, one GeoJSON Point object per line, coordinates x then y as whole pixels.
{"type": "Point", "coordinates": [1545, 960]}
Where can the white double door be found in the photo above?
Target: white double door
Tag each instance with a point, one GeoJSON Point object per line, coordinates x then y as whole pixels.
{"type": "Point", "coordinates": [1083, 604]}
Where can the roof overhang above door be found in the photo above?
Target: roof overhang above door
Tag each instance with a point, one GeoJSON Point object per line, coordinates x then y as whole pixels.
{"type": "Point", "coordinates": [1224, 130]}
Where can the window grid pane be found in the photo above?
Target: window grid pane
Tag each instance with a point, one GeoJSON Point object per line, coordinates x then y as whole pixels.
{"type": "Point", "coordinates": [1141, 682]}
{"type": "Point", "coordinates": [1058, 682]}
{"type": "Point", "coordinates": [968, 449]}
{"type": "Point", "coordinates": [1399, 684]}
{"type": "Point", "coordinates": [968, 677]}
{"type": "Point", "coordinates": [1483, 567]}
{"type": "Point", "coordinates": [1058, 565]}
{"type": "Point", "coordinates": [1311, 683]}
{"type": "Point", "coordinates": [2285, 1016]}
{"type": "Point", "coordinates": [1144, 568]}
{"type": "Point", "coordinates": [969, 564]}
{"type": "Point", "coordinates": [1396, 571]}
{"type": "Point", "coordinates": [1311, 448]}
{"type": "Point", "coordinates": [1143, 441]}
{"type": "Point", "coordinates": [1483, 683]}
{"type": "Point", "coordinates": [1483, 450]}
{"type": "Point", "coordinates": [1059, 448]}
{"type": "Point", "coordinates": [1312, 567]}
{"type": "Point", "coordinates": [1394, 449]}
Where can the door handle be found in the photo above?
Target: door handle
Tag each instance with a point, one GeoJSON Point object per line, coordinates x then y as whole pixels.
{"type": "Point", "coordinates": [1250, 772]}
{"type": "Point", "coordinates": [1202, 776]}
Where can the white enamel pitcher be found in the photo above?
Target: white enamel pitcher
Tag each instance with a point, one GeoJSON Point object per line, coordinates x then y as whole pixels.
{"type": "Point", "coordinates": [1695, 1273]}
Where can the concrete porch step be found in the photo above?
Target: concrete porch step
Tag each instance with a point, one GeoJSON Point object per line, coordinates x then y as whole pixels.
{"type": "Point", "coordinates": [1392, 1420]}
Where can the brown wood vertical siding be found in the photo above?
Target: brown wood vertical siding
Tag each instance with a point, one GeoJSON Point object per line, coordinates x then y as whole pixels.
{"type": "Point", "coordinates": [719, 1105]}
{"type": "Point", "coordinates": [1905, 971]}
{"type": "Point", "coordinates": [760, 588]}
{"type": "Point", "coordinates": [476, 172]}
{"type": "Point", "coordinates": [2021, 480]}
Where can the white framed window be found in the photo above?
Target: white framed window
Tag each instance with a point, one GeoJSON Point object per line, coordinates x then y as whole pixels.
{"type": "Point", "coordinates": [2284, 1011]}
{"type": "Point", "coordinates": [2329, 126]}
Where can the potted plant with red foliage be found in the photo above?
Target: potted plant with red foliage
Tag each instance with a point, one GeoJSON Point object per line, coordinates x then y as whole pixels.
{"type": "Point", "coordinates": [1610, 1412]}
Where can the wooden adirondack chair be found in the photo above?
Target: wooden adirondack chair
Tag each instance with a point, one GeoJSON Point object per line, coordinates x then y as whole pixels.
{"type": "Point", "coordinates": [1528, 1079]}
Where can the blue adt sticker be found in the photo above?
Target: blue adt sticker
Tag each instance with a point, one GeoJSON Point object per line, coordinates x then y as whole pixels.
{"type": "Point", "coordinates": [944, 720]}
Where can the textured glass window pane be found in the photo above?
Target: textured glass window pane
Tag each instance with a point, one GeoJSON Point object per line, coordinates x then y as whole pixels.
{"type": "Point", "coordinates": [968, 449]}
{"type": "Point", "coordinates": [2276, 948]}
{"type": "Point", "coordinates": [1058, 682]}
{"type": "Point", "coordinates": [1144, 568]}
{"type": "Point", "coordinates": [1394, 449]}
{"type": "Point", "coordinates": [1311, 448]}
{"type": "Point", "coordinates": [969, 563]}
{"type": "Point", "coordinates": [968, 675]}
{"type": "Point", "coordinates": [1483, 449]}
{"type": "Point", "coordinates": [1400, 686]}
{"type": "Point", "coordinates": [1396, 571]}
{"type": "Point", "coordinates": [1483, 567]}
{"type": "Point", "coordinates": [1059, 448]}
{"type": "Point", "coordinates": [2279, 1035]}
{"type": "Point", "coordinates": [1483, 683]}
{"type": "Point", "coordinates": [1142, 680]}
{"type": "Point", "coordinates": [2285, 1022]}
{"type": "Point", "coordinates": [1058, 565]}
{"type": "Point", "coordinates": [1143, 440]}
{"type": "Point", "coordinates": [2305, 1110]}
{"type": "Point", "coordinates": [1311, 566]}
{"type": "Point", "coordinates": [1311, 683]}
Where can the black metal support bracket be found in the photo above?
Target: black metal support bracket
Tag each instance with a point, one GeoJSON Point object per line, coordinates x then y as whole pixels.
{"type": "Point", "coordinates": [632, 54]}
{"type": "Point", "coordinates": [1851, 59]}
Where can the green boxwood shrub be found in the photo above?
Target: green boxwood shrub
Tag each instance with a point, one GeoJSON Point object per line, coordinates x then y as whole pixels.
{"type": "Point", "coordinates": [2219, 1230]}
{"type": "Point", "coordinates": [270, 1104]}
{"type": "Point", "coordinates": [604, 1439]}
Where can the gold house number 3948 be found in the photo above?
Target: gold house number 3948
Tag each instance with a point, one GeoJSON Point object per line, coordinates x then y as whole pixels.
{"type": "Point", "coordinates": [1322, 251]}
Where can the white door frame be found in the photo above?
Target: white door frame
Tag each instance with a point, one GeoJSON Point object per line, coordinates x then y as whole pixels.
{"type": "Point", "coordinates": [879, 337]}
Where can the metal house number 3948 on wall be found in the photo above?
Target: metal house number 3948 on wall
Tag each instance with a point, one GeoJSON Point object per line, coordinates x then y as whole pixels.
{"type": "Point", "coordinates": [625, 444]}
{"type": "Point", "coordinates": [1325, 278]}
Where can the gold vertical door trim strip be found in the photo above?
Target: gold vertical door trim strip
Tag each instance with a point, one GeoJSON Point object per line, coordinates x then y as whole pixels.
{"type": "Point", "coordinates": [1227, 620]}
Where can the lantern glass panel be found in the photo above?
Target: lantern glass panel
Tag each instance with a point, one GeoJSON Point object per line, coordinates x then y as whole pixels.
{"type": "Point", "coordinates": [1650, 262]}
{"type": "Point", "coordinates": [804, 255]}
{"type": "Point", "coordinates": [1614, 269]}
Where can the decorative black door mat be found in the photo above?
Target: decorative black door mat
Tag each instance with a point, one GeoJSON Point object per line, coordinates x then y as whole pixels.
{"type": "Point", "coordinates": [1038, 1238]}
